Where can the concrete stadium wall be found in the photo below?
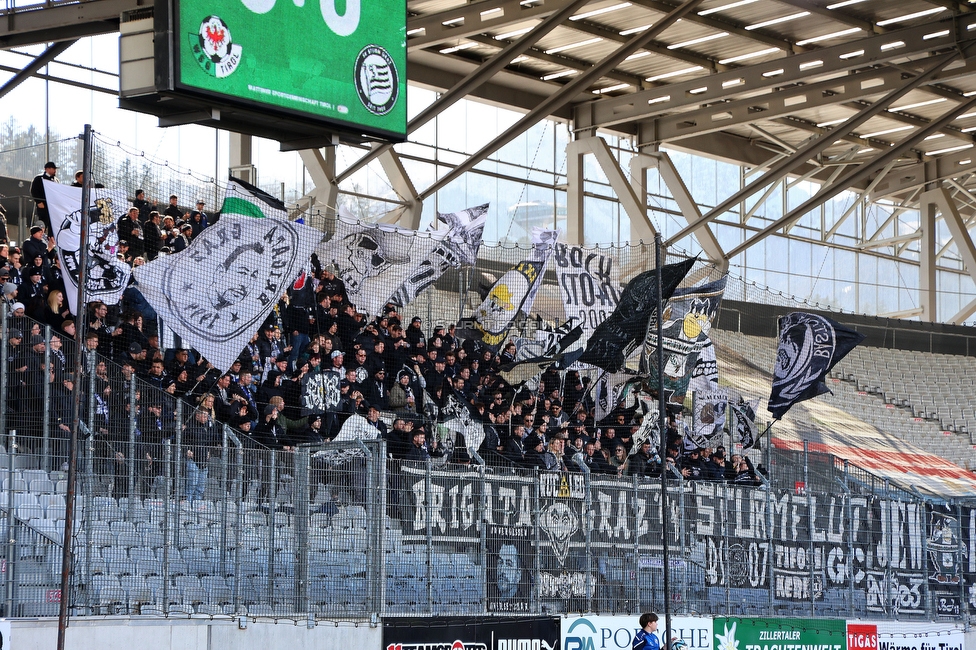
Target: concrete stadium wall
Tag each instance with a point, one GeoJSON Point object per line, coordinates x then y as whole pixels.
{"type": "Point", "coordinates": [125, 633]}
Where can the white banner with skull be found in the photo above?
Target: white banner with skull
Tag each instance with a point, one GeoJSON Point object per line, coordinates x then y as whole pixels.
{"type": "Point", "coordinates": [106, 275]}
{"type": "Point", "coordinates": [375, 260]}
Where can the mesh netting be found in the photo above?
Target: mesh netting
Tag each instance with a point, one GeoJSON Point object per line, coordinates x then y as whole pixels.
{"type": "Point", "coordinates": [274, 489]}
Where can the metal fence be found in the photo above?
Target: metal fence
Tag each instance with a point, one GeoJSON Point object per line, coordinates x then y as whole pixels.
{"type": "Point", "coordinates": [177, 515]}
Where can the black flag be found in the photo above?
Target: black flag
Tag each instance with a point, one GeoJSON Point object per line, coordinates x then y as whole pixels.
{"type": "Point", "coordinates": [809, 346]}
{"type": "Point", "coordinates": [618, 336]}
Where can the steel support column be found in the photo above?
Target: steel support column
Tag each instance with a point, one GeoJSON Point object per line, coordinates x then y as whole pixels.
{"type": "Point", "coordinates": [634, 205]}
{"type": "Point", "coordinates": [939, 200]}
{"type": "Point", "coordinates": [320, 164]}
{"type": "Point", "coordinates": [661, 161]}
{"type": "Point", "coordinates": [409, 216]}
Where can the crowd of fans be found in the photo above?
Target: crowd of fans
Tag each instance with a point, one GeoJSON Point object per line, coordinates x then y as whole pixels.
{"type": "Point", "coordinates": [393, 368]}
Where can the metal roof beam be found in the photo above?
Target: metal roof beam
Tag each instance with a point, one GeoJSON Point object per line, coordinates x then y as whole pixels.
{"type": "Point", "coordinates": [39, 62]}
{"type": "Point", "coordinates": [817, 146]}
{"type": "Point", "coordinates": [44, 23]}
{"type": "Point", "coordinates": [565, 94]}
{"type": "Point", "coordinates": [475, 18]}
{"type": "Point", "coordinates": [769, 75]}
{"type": "Point", "coordinates": [723, 25]}
{"type": "Point", "coordinates": [915, 175]}
{"type": "Point", "coordinates": [836, 16]}
{"type": "Point", "coordinates": [849, 91]}
{"type": "Point", "coordinates": [863, 172]}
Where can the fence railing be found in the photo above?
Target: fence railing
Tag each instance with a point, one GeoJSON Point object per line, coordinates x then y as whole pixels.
{"type": "Point", "coordinates": [177, 514]}
{"type": "Point", "coordinates": [340, 530]}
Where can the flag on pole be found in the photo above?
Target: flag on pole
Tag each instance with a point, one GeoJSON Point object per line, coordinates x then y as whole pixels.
{"type": "Point", "coordinates": [514, 292]}
{"type": "Point", "coordinates": [217, 292]}
{"type": "Point", "coordinates": [374, 260]}
{"type": "Point", "coordinates": [744, 416]}
{"type": "Point", "coordinates": [533, 356]}
{"type": "Point", "coordinates": [107, 276]}
{"type": "Point", "coordinates": [458, 248]}
{"type": "Point", "coordinates": [246, 200]}
{"type": "Point", "coordinates": [809, 346]}
{"type": "Point", "coordinates": [626, 327]}
{"type": "Point", "coordinates": [708, 415]}
{"type": "Point", "coordinates": [688, 318]}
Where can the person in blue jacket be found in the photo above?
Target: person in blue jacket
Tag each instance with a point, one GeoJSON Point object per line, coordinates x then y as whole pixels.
{"type": "Point", "coordinates": [646, 639]}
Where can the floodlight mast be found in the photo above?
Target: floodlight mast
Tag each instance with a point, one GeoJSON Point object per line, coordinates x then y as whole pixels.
{"type": "Point", "coordinates": [80, 327]}
{"type": "Point", "coordinates": [662, 440]}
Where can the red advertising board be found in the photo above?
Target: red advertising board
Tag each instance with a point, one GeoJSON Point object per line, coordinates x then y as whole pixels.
{"type": "Point", "coordinates": [862, 637]}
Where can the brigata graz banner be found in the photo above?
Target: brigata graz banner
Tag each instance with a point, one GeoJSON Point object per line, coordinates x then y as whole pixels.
{"type": "Point", "coordinates": [456, 633]}
{"type": "Point", "coordinates": [742, 542]}
{"type": "Point", "coordinates": [343, 61]}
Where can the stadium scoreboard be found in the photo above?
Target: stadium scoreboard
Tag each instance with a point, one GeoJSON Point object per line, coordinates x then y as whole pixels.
{"type": "Point", "coordinates": [296, 68]}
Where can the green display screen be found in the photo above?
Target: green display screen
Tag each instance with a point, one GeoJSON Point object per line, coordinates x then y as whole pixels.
{"type": "Point", "coordinates": [342, 61]}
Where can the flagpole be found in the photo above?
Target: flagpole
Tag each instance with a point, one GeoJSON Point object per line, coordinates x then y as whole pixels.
{"type": "Point", "coordinates": [81, 318]}
{"type": "Point", "coordinates": [663, 440]}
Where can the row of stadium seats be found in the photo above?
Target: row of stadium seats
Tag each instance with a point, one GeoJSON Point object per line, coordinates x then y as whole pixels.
{"type": "Point", "coordinates": [900, 392]}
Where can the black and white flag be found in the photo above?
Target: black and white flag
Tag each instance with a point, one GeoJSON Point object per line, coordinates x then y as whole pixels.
{"type": "Point", "coordinates": [708, 415]}
{"type": "Point", "coordinates": [456, 418]}
{"type": "Point", "coordinates": [107, 276]}
{"type": "Point", "coordinates": [688, 319]}
{"type": "Point", "coordinates": [457, 247]}
{"type": "Point", "coordinates": [809, 346]}
{"type": "Point", "coordinates": [321, 392]}
{"type": "Point", "coordinates": [589, 282]}
{"type": "Point", "coordinates": [744, 415]}
{"type": "Point", "coordinates": [217, 292]}
{"type": "Point", "coordinates": [374, 260]}
{"type": "Point", "coordinates": [549, 346]}
{"type": "Point", "coordinates": [619, 335]}
{"type": "Point", "coordinates": [648, 429]}
{"type": "Point", "coordinates": [514, 292]}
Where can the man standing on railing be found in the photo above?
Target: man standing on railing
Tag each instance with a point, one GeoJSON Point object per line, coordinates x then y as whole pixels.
{"type": "Point", "coordinates": [37, 192]}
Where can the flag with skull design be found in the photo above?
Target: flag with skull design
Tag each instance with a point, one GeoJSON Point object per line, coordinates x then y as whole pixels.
{"type": "Point", "coordinates": [374, 260]}
{"type": "Point", "coordinates": [107, 276]}
{"type": "Point", "coordinates": [810, 345]}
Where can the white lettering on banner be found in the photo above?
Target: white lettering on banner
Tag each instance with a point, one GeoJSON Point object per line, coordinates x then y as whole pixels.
{"type": "Point", "coordinates": [589, 284]}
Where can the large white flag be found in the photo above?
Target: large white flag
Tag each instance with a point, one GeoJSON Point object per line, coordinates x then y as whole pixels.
{"type": "Point", "coordinates": [106, 276]}
{"type": "Point", "coordinates": [589, 282]}
{"type": "Point", "coordinates": [374, 260]}
{"type": "Point", "coordinates": [217, 292]}
{"type": "Point", "coordinates": [458, 247]}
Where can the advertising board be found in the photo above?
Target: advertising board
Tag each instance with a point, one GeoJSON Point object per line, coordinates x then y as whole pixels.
{"type": "Point", "coordinates": [617, 632]}
{"type": "Point", "coordinates": [304, 59]}
{"type": "Point", "coordinates": [457, 633]}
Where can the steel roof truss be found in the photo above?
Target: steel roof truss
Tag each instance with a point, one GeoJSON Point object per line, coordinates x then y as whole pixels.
{"type": "Point", "coordinates": [863, 172]}
{"type": "Point", "coordinates": [773, 74]}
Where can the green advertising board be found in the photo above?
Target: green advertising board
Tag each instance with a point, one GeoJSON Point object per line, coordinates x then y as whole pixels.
{"type": "Point", "coordinates": [341, 62]}
{"type": "Point", "coordinates": [779, 634]}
